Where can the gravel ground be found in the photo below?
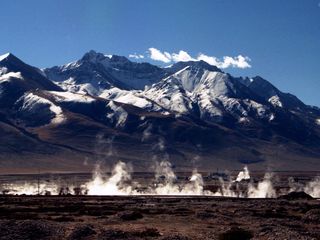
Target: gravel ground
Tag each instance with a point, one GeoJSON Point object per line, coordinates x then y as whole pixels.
{"type": "Point", "coordinates": [159, 218]}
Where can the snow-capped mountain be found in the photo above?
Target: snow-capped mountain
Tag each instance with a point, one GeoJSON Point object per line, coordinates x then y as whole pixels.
{"type": "Point", "coordinates": [207, 93]}
{"type": "Point", "coordinates": [190, 109]}
{"type": "Point", "coordinates": [17, 82]}
{"type": "Point", "coordinates": [273, 95]}
{"type": "Point", "coordinates": [95, 72]}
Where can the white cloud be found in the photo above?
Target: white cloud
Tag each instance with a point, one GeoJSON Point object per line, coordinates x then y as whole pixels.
{"type": "Point", "coordinates": [182, 56]}
{"type": "Point", "coordinates": [226, 62]}
{"type": "Point", "coordinates": [157, 55]}
{"type": "Point", "coordinates": [167, 55]}
{"type": "Point", "coordinates": [236, 62]}
{"type": "Point", "coordinates": [211, 60]}
{"type": "Point", "coordinates": [136, 56]}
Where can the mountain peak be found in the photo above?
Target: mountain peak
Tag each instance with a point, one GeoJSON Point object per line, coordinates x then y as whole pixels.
{"type": "Point", "coordinates": [4, 56]}
{"type": "Point", "coordinates": [7, 56]}
{"type": "Point", "coordinates": [11, 62]}
{"type": "Point", "coordinates": [93, 56]}
{"type": "Point", "coordinates": [116, 58]}
{"type": "Point", "coordinates": [195, 65]}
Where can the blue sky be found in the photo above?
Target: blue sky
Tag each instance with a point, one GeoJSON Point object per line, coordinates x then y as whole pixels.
{"type": "Point", "coordinates": [281, 37]}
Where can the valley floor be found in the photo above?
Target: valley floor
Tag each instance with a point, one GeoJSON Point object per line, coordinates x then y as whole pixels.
{"type": "Point", "coordinates": [165, 218]}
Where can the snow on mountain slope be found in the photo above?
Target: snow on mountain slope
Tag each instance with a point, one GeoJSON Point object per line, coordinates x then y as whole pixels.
{"type": "Point", "coordinates": [3, 70]}
{"type": "Point", "coordinates": [34, 78]}
{"type": "Point", "coordinates": [194, 89]}
{"type": "Point", "coordinates": [5, 80]}
{"type": "Point", "coordinates": [270, 93]}
{"type": "Point", "coordinates": [118, 116]}
{"type": "Point", "coordinates": [275, 101]}
{"type": "Point", "coordinates": [4, 56]}
{"type": "Point", "coordinates": [194, 78]}
{"type": "Point", "coordinates": [191, 106]}
{"type": "Point", "coordinates": [130, 98]}
{"type": "Point", "coordinates": [135, 98]}
{"type": "Point", "coordinates": [30, 105]}
{"type": "Point", "coordinates": [210, 108]}
{"type": "Point", "coordinates": [71, 85]}
{"type": "Point", "coordinates": [212, 94]}
{"type": "Point", "coordinates": [170, 95]}
{"type": "Point", "coordinates": [7, 76]}
{"type": "Point", "coordinates": [71, 97]}
{"type": "Point", "coordinates": [96, 72]}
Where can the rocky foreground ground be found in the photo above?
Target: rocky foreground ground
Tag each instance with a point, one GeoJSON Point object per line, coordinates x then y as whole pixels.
{"type": "Point", "coordinates": [165, 218]}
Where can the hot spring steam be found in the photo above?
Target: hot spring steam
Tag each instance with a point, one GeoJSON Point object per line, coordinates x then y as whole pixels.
{"type": "Point", "coordinates": [165, 182]}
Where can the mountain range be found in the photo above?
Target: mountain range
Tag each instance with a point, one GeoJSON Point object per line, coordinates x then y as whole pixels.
{"type": "Point", "coordinates": [105, 108]}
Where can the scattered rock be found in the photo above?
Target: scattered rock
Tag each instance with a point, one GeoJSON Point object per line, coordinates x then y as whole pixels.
{"type": "Point", "coordinates": [64, 219]}
{"type": "Point", "coordinates": [175, 237]}
{"type": "Point", "coordinates": [130, 215]}
{"type": "Point", "coordinates": [236, 233]}
{"type": "Point", "coordinates": [148, 232]}
{"type": "Point", "coordinates": [113, 234]}
{"type": "Point", "coordinates": [205, 215]}
{"type": "Point", "coordinates": [272, 213]}
{"type": "Point", "coordinates": [30, 229]}
{"type": "Point", "coordinates": [82, 232]}
{"type": "Point", "coordinates": [312, 215]}
{"type": "Point", "coordinates": [296, 196]}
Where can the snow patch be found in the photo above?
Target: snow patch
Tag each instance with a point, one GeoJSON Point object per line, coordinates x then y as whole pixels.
{"type": "Point", "coordinates": [119, 115]}
{"type": "Point", "coordinates": [126, 97]}
{"type": "Point", "coordinates": [180, 71]}
{"type": "Point", "coordinates": [4, 56]}
{"type": "Point", "coordinates": [30, 100]}
{"type": "Point", "coordinates": [169, 94]}
{"type": "Point", "coordinates": [7, 76]}
{"type": "Point", "coordinates": [40, 71]}
{"type": "Point", "coordinates": [59, 118]}
{"type": "Point", "coordinates": [71, 97]}
{"type": "Point", "coordinates": [3, 70]}
{"type": "Point", "coordinates": [208, 106]}
{"type": "Point", "coordinates": [243, 175]}
{"type": "Point", "coordinates": [275, 101]}
{"type": "Point", "coordinates": [243, 120]}
{"type": "Point", "coordinates": [112, 93]}
{"type": "Point", "coordinates": [272, 117]}
{"type": "Point", "coordinates": [260, 109]}
{"type": "Point", "coordinates": [135, 98]}
{"type": "Point", "coordinates": [85, 88]}
{"type": "Point", "coordinates": [130, 98]}
{"type": "Point", "coordinates": [71, 65]}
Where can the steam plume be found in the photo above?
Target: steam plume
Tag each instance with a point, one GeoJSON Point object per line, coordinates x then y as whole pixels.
{"type": "Point", "coordinates": [264, 189]}
{"type": "Point", "coordinates": [243, 175]}
{"type": "Point", "coordinates": [114, 185]}
{"type": "Point", "coordinates": [313, 188]}
{"type": "Point", "coordinates": [119, 182]}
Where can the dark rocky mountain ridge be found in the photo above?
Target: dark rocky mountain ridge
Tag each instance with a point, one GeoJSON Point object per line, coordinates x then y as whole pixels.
{"type": "Point", "coordinates": [107, 108]}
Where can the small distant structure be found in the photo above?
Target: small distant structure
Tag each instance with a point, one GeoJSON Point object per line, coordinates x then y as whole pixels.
{"type": "Point", "coordinates": [5, 192]}
{"type": "Point", "coordinates": [78, 191]}
{"type": "Point", "coordinates": [64, 191]}
{"type": "Point", "coordinates": [47, 193]}
{"type": "Point", "coordinates": [217, 175]}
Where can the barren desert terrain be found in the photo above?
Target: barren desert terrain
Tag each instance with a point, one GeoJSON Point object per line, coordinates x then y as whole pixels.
{"type": "Point", "coordinates": [158, 217]}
